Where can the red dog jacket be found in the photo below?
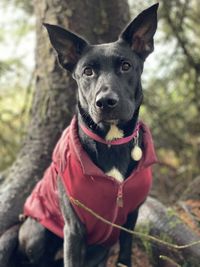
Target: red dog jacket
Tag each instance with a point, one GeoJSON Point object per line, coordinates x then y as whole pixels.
{"type": "Point", "coordinates": [84, 181]}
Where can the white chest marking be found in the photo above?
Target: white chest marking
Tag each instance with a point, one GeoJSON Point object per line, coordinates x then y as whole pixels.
{"type": "Point", "coordinates": [115, 174]}
{"type": "Point", "coordinates": [114, 133]}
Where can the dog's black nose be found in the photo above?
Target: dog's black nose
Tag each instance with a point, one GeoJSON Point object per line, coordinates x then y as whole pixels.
{"type": "Point", "coordinates": [107, 100]}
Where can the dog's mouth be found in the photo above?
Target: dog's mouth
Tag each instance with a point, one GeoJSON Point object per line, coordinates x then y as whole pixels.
{"type": "Point", "coordinates": [108, 118]}
{"type": "Point", "coordinates": [110, 122]}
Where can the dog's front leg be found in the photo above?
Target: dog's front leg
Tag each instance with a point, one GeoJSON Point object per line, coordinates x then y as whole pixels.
{"type": "Point", "coordinates": [74, 232]}
{"type": "Point", "coordinates": [74, 247]}
{"type": "Point", "coordinates": [125, 241]}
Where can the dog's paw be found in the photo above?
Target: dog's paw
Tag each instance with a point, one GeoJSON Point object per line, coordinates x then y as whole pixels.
{"type": "Point", "coordinates": [121, 265]}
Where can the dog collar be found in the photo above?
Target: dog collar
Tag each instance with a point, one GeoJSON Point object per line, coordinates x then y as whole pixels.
{"type": "Point", "coordinates": [119, 141]}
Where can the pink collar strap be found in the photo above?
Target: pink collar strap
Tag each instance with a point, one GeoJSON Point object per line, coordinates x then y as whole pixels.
{"type": "Point", "coordinates": [115, 142]}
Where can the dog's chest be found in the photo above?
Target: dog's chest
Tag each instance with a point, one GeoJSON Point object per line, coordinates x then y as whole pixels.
{"type": "Point", "coordinates": [116, 174]}
{"type": "Point", "coordinates": [114, 133]}
{"type": "Point", "coordinates": [113, 160]}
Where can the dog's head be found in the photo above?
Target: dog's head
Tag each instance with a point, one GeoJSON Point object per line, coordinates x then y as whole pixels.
{"type": "Point", "coordinates": [108, 75]}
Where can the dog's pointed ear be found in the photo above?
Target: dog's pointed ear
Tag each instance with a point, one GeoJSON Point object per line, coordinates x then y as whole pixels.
{"type": "Point", "coordinates": [68, 45]}
{"type": "Point", "coordinates": [139, 33]}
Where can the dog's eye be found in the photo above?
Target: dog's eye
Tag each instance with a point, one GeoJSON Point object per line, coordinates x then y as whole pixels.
{"type": "Point", "coordinates": [125, 66]}
{"type": "Point", "coordinates": [88, 71]}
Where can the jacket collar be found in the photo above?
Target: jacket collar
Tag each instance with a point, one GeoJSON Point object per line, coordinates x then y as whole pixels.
{"type": "Point", "coordinates": [115, 142]}
{"type": "Point", "coordinates": [89, 168]}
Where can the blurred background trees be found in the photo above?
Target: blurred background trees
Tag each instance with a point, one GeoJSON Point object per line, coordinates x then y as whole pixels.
{"type": "Point", "coordinates": [171, 84]}
{"type": "Point", "coordinates": [17, 39]}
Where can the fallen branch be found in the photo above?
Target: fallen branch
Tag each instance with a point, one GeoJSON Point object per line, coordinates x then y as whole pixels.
{"type": "Point", "coordinates": [135, 233]}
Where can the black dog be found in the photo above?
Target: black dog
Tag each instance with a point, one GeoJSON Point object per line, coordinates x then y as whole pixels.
{"type": "Point", "coordinates": [103, 146]}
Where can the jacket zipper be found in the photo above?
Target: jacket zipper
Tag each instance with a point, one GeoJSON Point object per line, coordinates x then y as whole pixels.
{"type": "Point", "coordinates": [120, 196]}
{"type": "Point", "coordinates": [120, 202]}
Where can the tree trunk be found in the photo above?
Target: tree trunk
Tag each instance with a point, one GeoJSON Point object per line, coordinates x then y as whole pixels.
{"type": "Point", "coordinates": [55, 91]}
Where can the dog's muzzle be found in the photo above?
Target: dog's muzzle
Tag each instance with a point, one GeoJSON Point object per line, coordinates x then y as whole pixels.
{"type": "Point", "coordinates": [106, 101]}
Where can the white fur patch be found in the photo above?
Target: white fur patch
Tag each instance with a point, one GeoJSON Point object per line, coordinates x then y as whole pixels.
{"type": "Point", "coordinates": [115, 174]}
{"type": "Point", "coordinates": [121, 265]}
{"type": "Point", "coordinates": [114, 133]}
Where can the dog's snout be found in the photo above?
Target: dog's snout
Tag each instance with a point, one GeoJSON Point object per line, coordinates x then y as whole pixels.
{"type": "Point", "coordinates": [107, 101]}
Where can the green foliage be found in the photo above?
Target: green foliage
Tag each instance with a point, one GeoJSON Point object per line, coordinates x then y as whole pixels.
{"type": "Point", "coordinates": [13, 121]}
{"type": "Point", "coordinates": [27, 6]}
{"type": "Point", "coordinates": [16, 80]}
{"type": "Point", "coordinates": [145, 244]}
{"type": "Point", "coordinates": [172, 96]}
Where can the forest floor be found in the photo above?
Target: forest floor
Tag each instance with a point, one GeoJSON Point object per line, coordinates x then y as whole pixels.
{"type": "Point", "coordinates": [188, 211]}
{"type": "Point", "coordinates": [139, 258]}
